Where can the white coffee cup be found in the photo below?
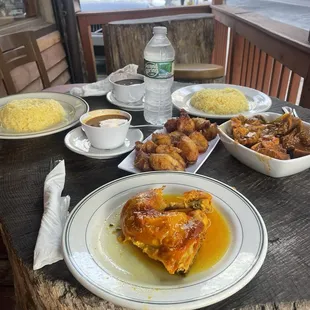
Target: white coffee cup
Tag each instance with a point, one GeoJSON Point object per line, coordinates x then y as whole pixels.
{"type": "Point", "coordinates": [106, 136]}
{"type": "Point", "coordinates": [127, 93]}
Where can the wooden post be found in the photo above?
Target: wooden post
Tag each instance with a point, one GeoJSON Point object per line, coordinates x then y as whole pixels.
{"type": "Point", "coordinates": [88, 48]}
{"type": "Point", "coordinates": [305, 94]}
{"type": "Point", "coordinates": [30, 8]}
{"type": "Point", "coordinates": [123, 48]}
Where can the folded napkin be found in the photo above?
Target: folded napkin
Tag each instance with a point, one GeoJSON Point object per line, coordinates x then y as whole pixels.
{"type": "Point", "coordinates": [102, 87]}
{"type": "Point", "coordinates": [48, 247]}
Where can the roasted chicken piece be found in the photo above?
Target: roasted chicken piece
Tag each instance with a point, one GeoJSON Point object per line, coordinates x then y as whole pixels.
{"type": "Point", "coordinates": [201, 123]}
{"type": "Point", "coordinates": [171, 124]}
{"type": "Point", "coordinates": [297, 142]}
{"type": "Point", "coordinates": [200, 141]}
{"type": "Point", "coordinates": [185, 123]}
{"type": "Point", "coordinates": [171, 237]}
{"type": "Point", "coordinates": [246, 137]}
{"type": "Point", "coordinates": [165, 162]}
{"type": "Point", "coordinates": [210, 132]}
{"type": "Point", "coordinates": [285, 124]}
{"type": "Point", "coordinates": [161, 138]}
{"type": "Point", "coordinates": [147, 147]}
{"type": "Point", "coordinates": [172, 151]}
{"type": "Point", "coordinates": [271, 147]}
{"type": "Point", "coordinates": [189, 149]}
{"type": "Point", "coordinates": [142, 161]}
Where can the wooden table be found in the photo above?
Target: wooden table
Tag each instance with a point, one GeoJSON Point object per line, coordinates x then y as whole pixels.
{"type": "Point", "coordinates": [282, 283]}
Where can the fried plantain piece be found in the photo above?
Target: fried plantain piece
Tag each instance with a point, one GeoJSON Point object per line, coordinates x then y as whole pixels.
{"type": "Point", "coordinates": [200, 141]}
{"type": "Point", "coordinates": [176, 136]}
{"type": "Point", "coordinates": [172, 151]}
{"type": "Point", "coordinates": [165, 162]}
{"type": "Point", "coordinates": [161, 138]}
{"type": "Point", "coordinates": [189, 149]}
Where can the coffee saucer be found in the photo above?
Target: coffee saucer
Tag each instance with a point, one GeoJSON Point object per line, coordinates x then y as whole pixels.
{"type": "Point", "coordinates": [77, 142]}
{"type": "Point", "coordinates": [133, 107]}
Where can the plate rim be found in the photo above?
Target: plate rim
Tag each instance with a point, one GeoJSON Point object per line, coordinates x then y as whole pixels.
{"type": "Point", "coordinates": [219, 116]}
{"type": "Point", "coordinates": [94, 156]}
{"type": "Point", "coordinates": [231, 290]}
{"type": "Point", "coordinates": [27, 135]}
{"type": "Point", "coordinates": [122, 106]}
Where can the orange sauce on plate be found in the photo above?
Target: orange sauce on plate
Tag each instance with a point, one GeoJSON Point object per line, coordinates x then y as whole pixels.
{"type": "Point", "coordinates": [216, 243]}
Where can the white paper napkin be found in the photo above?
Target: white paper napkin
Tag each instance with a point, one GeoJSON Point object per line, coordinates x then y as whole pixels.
{"type": "Point", "coordinates": [102, 87]}
{"type": "Point", "coordinates": [48, 247]}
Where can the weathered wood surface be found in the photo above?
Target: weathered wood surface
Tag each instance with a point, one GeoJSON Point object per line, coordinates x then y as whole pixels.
{"type": "Point", "coordinates": [282, 283]}
{"type": "Point", "coordinates": [190, 35]}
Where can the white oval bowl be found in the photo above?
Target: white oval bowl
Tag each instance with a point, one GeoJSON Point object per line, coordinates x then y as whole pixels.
{"type": "Point", "coordinates": [264, 164]}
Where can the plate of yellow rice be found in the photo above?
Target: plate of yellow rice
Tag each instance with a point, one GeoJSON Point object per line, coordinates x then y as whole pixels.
{"type": "Point", "coordinates": [39, 114]}
{"type": "Point", "coordinates": [222, 101]}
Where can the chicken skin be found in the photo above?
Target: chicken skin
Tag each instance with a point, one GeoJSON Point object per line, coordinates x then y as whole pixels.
{"type": "Point", "coordinates": [171, 237]}
{"type": "Point", "coordinates": [160, 162]}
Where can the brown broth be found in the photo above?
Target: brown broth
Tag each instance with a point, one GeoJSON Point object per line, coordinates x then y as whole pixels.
{"type": "Point", "coordinates": [216, 243]}
{"type": "Point", "coordinates": [95, 121]}
{"type": "Point", "coordinates": [129, 82]}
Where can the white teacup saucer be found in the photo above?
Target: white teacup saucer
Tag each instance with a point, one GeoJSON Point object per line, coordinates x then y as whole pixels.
{"type": "Point", "coordinates": [133, 107]}
{"type": "Point", "coordinates": [77, 142]}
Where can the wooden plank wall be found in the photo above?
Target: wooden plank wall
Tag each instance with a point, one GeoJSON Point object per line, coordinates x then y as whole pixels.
{"type": "Point", "coordinates": [27, 78]}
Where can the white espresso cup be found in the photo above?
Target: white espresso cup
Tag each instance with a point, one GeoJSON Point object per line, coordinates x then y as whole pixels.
{"type": "Point", "coordinates": [110, 134]}
{"type": "Point", "coordinates": [127, 93]}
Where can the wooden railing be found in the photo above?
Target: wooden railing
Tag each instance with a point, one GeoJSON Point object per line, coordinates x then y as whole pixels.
{"type": "Point", "coordinates": [86, 19]}
{"type": "Point", "coordinates": [257, 52]}
{"type": "Point", "coordinates": [263, 54]}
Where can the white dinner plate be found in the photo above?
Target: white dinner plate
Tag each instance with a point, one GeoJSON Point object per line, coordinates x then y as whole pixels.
{"type": "Point", "coordinates": [128, 163]}
{"type": "Point", "coordinates": [117, 272]}
{"type": "Point", "coordinates": [133, 107]}
{"type": "Point", "coordinates": [77, 142]}
{"type": "Point", "coordinates": [258, 101]}
{"type": "Point", "coordinates": [74, 107]}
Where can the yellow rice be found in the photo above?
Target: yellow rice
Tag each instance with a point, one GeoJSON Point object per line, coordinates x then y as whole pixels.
{"type": "Point", "coordinates": [220, 101]}
{"type": "Point", "coordinates": [30, 115]}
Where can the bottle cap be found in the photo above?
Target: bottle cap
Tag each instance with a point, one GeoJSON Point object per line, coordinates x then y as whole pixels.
{"type": "Point", "coordinates": [160, 30]}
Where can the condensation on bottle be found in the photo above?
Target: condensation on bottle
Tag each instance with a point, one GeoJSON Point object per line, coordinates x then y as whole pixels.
{"type": "Point", "coordinates": [158, 70]}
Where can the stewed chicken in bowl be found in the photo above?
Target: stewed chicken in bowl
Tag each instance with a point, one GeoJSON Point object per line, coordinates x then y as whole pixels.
{"type": "Point", "coordinates": [273, 144]}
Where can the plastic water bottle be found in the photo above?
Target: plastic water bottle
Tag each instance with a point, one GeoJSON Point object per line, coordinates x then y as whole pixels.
{"type": "Point", "coordinates": [158, 70]}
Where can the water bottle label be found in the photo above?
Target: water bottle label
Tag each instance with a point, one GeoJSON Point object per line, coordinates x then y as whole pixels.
{"type": "Point", "coordinates": [158, 70]}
